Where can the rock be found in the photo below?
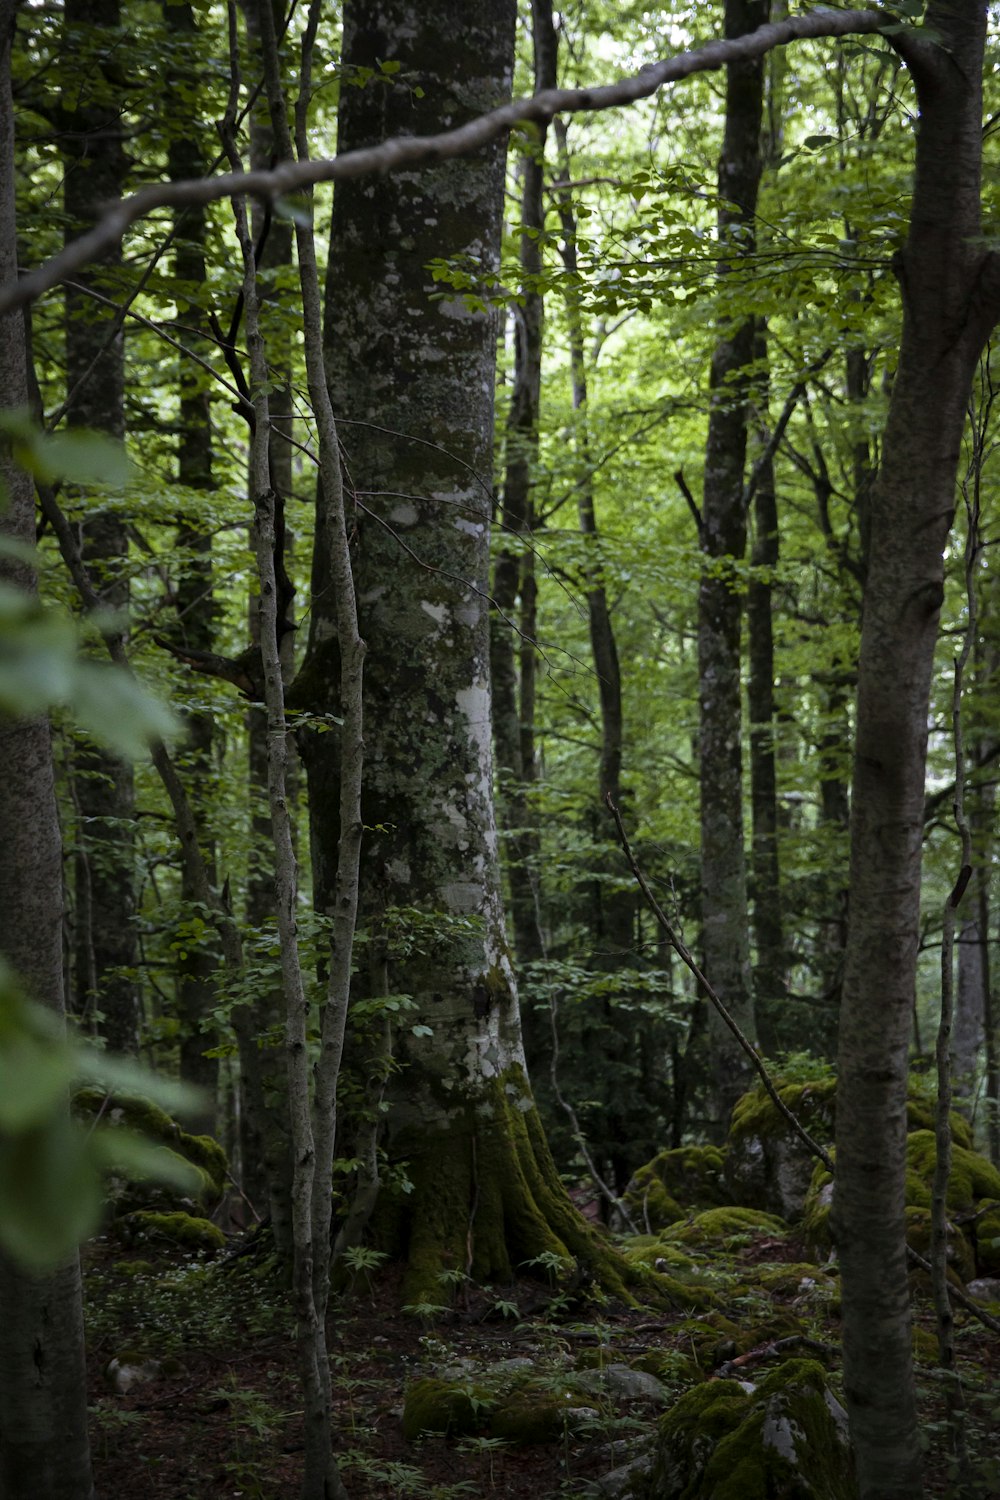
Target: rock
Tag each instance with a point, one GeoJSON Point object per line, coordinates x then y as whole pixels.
{"type": "Point", "coordinates": [717, 1225]}
{"type": "Point", "coordinates": [187, 1231]}
{"type": "Point", "coordinates": [444, 1409]}
{"type": "Point", "coordinates": [767, 1164]}
{"type": "Point", "coordinates": [731, 1440]}
{"type": "Point", "coordinates": [143, 1118]}
{"type": "Point", "coordinates": [986, 1229]}
{"type": "Point", "coordinates": [985, 1289]}
{"type": "Point", "coordinates": [673, 1184]}
{"type": "Point", "coordinates": [622, 1383]}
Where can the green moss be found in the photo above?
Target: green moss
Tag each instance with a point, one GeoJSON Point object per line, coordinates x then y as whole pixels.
{"type": "Point", "coordinates": [721, 1442]}
{"type": "Point", "coordinates": [675, 1182]}
{"type": "Point", "coordinates": [444, 1409]}
{"type": "Point", "coordinates": [184, 1230]}
{"type": "Point", "coordinates": [987, 1232]}
{"type": "Point", "coordinates": [921, 1115]}
{"type": "Point", "coordinates": [493, 1154]}
{"type": "Point", "coordinates": [925, 1346]}
{"type": "Point", "coordinates": [787, 1280]}
{"type": "Point", "coordinates": [147, 1119]}
{"type": "Point", "coordinates": [961, 1261]}
{"type": "Point", "coordinates": [531, 1416]}
{"type": "Point", "coordinates": [717, 1225]}
{"type": "Point", "coordinates": [972, 1176]}
{"type": "Point", "coordinates": [811, 1102]}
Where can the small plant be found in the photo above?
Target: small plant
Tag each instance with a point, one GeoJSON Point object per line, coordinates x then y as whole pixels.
{"type": "Point", "coordinates": [253, 1423]}
{"type": "Point", "coordinates": [109, 1422]}
{"type": "Point", "coordinates": [486, 1449]}
{"type": "Point", "coordinates": [362, 1260]}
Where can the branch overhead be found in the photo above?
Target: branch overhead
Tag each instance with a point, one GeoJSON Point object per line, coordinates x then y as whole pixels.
{"type": "Point", "coordinates": [414, 151]}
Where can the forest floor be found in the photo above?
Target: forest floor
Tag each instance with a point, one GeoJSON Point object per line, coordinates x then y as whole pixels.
{"type": "Point", "coordinates": [217, 1412]}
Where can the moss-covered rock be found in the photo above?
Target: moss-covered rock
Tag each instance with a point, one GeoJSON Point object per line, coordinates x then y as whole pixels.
{"type": "Point", "coordinates": [531, 1415]}
{"type": "Point", "coordinates": [716, 1226]}
{"type": "Point", "coordinates": [183, 1230]}
{"type": "Point", "coordinates": [677, 1182]}
{"type": "Point", "coordinates": [767, 1164]}
{"type": "Point", "coordinates": [444, 1408]}
{"type": "Point", "coordinates": [972, 1176]}
{"type": "Point", "coordinates": [961, 1261]}
{"type": "Point", "coordinates": [142, 1117]}
{"type": "Point", "coordinates": [786, 1437]}
{"type": "Point", "coordinates": [987, 1241]}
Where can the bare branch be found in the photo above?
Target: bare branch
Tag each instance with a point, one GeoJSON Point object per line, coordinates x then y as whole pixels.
{"type": "Point", "coordinates": [413, 151]}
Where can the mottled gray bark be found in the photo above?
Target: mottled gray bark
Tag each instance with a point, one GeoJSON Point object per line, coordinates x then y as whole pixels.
{"type": "Point", "coordinates": [95, 169]}
{"type": "Point", "coordinates": [43, 1411]}
{"type": "Point", "coordinates": [412, 372]}
{"type": "Point", "coordinates": [950, 288]}
{"type": "Point", "coordinates": [724, 906]}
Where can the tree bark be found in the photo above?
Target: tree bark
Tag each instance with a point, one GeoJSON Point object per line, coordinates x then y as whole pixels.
{"type": "Point", "coordinates": [951, 295]}
{"type": "Point", "coordinates": [95, 168]}
{"type": "Point", "coordinates": [196, 609]}
{"type": "Point", "coordinates": [725, 926]}
{"type": "Point", "coordinates": [769, 980]}
{"type": "Point", "coordinates": [43, 1410]}
{"type": "Point", "coordinates": [414, 377]}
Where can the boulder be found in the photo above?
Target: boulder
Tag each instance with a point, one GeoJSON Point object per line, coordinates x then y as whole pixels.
{"type": "Point", "coordinates": [767, 1164]}
{"type": "Point", "coordinates": [675, 1183]}
{"type": "Point", "coordinates": [783, 1437]}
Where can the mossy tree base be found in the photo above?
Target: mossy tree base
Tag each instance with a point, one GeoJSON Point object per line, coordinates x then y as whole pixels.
{"type": "Point", "coordinates": [487, 1203]}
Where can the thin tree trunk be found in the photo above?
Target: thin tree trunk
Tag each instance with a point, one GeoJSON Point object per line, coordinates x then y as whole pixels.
{"type": "Point", "coordinates": [265, 1134]}
{"type": "Point", "coordinates": [725, 928]}
{"type": "Point", "coordinates": [769, 974]}
{"type": "Point", "coordinates": [514, 570]}
{"type": "Point", "coordinates": [43, 1402]}
{"type": "Point", "coordinates": [91, 136]}
{"type": "Point", "coordinates": [951, 297]}
{"type": "Point", "coordinates": [196, 609]}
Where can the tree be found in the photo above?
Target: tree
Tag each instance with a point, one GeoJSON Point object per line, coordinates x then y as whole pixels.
{"type": "Point", "coordinates": [411, 363]}
{"type": "Point", "coordinates": [951, 300]}
{"type": "Point", "coordinates": [43, 1410]}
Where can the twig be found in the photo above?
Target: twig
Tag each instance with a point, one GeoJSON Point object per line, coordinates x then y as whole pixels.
{"type": "Point", "coordinates": [814, 1147]}
{"type": "Point", "coordinates": [686, 957]}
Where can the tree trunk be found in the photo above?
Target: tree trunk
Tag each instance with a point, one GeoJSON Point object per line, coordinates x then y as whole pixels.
{"type": "Point", "coordinates": [950, 286]}
{"type": "Point", "coordinates": [43, 1411]}
{"type": "Point", "coordinates": [95, 163]}
{"type": "Point", "coordinates": [513, 573]}
{"type": "Point", "coordinates": [769, 973]}
{"type": "Point", "coordinates": [196, 608]}
{"type": "Point", "coordinates": [725, 926]}
{"type": "Point", "coordinates": [415, 377]}
{"type": "Point", "coordinates": [265, 1135]}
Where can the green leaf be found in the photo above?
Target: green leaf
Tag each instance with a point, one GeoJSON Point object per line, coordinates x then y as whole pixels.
{"type": "Point", "coordinates": [116, 710]}
{"type": "Point", "coordinates": [81, 457]}
{"type": "Point", "coordinates": [139, 1159]}
{"type": "Point", "coordinates": [50, 1192]}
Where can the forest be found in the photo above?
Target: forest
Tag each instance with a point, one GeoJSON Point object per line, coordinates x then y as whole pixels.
{"type": "Point", "coordinates": [499, 663]}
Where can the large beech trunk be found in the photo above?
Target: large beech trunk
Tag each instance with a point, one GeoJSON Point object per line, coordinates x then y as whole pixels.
{"type": "Point", "coordinates": [43, 1410]}
{"type": "Point", "coordinates": [951, 297]}
{"type": "Point", "coordinates": [411, 368]}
